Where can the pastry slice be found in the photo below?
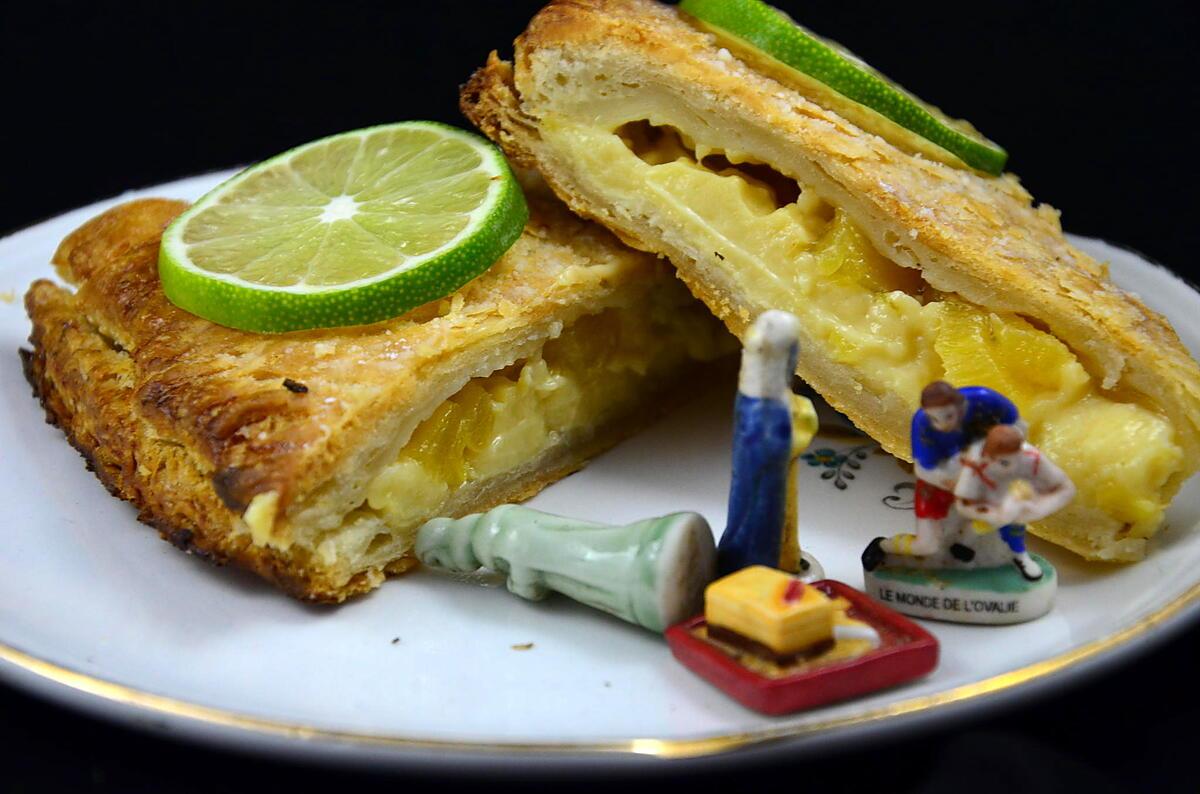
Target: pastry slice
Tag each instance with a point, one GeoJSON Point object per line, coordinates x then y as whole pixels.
{"type": "Point", "coordinates": [313, 457]}
{"type": "Point", "coordinates": [901, 269]}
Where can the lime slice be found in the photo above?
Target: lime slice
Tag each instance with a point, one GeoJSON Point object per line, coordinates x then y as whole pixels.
{"type": "Point", "coordinates": [829, 74]}
{"type": "Point", "coordinates": [350, 229]}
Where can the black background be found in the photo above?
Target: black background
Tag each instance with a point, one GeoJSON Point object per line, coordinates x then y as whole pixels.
{"type": "Point", "coordinates": [1095, 101]}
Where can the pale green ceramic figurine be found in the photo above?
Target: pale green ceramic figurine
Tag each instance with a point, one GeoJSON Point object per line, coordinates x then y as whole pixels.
{"type": "Point", "coordinates": [651, 573]}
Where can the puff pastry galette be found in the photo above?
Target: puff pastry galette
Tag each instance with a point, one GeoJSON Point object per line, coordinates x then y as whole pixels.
{"type": "Point", "coordinates": [313, 457]}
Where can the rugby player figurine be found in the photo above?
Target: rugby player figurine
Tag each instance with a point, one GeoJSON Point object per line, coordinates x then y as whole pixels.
{"type": "Point", "coordinates": [978, 484]}
{"type": "Point", "coordinates": [948, 422]}
{"type": "Point", "coordinates": [772, 426]}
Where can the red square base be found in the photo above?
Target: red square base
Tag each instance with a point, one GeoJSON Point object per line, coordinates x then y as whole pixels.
{"type": "Point", "coordinates": [906, 651]}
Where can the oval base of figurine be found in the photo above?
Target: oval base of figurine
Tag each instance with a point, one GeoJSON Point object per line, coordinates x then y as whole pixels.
{"type": "Point", "coordinates": [989, 596]}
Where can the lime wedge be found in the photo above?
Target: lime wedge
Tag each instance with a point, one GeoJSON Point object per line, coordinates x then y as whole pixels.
{"type": "Point", "coordinates": [346, 230]}
{"type": "Point", "coordinates": [829, 74]}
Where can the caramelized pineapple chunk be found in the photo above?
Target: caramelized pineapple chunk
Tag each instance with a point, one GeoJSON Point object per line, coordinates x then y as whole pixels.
{"type": "Point", "coordinates": [593, 371]}
{"type": "Point", "coordinates": [1031, 367]}
{"type": "Point", "coordinates": [434, 442]}
{"type": "Point", "coordinates": [843, 254]}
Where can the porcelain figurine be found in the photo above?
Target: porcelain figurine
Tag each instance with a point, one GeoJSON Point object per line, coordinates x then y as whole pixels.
{"type": "Point", "coordinates": [777, 644]}
{"type": "Point", "coordinates": [772, 425]}
{"type": "Point", "coordinates": [948, 421]}
{"type": "Point", "coordinates": [1007, 482]}
{"type": "Point", "coordinates": [651, 573]}
{"type": "Point", "coordinates": [978, 484]}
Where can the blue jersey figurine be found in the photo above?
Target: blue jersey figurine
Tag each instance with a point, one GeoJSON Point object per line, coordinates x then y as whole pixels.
{"type": "Point", "coordinates": [948, 422]}
{"type": "Point", "coordinates": [762, 446]}
{"type": "Point", "coordinates": [979, 410]}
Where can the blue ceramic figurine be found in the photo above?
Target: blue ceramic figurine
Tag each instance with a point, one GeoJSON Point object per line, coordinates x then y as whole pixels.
{"type": "Point", "coordinates": [760, 529]}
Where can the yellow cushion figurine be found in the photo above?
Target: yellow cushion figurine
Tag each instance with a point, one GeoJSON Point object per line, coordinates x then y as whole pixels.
{"type": "Point", "coordinates": [777, 614]}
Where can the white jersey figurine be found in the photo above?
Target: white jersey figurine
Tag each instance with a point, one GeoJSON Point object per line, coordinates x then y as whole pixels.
{"type": "Point", "coordinates": [1007, 483]}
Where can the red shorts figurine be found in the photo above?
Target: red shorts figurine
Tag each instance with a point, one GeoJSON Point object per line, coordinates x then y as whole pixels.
{"type": "Point", "coordinates": [930, 501]}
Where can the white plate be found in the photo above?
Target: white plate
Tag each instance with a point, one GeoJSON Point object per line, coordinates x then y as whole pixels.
{"type": "Point", "coordinates": [99, 613]}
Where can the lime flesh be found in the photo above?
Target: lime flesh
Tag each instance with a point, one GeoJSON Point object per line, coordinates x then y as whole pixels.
{"type": "Point", "coordinates": [346, 230]}
{"type": "Point", "coordinates": [832, 76]}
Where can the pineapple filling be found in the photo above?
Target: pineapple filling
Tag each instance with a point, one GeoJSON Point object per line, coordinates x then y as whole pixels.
{"type": "Point", "coordinates": [790, 249]}
{"type": "Point", "coordinates": [595, 371]}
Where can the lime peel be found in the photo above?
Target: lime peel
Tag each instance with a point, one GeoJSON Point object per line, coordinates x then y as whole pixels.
{"type": "Point", "coordinates": [350, 229]}
{"type": "Point", "coordinates": [842, 81]}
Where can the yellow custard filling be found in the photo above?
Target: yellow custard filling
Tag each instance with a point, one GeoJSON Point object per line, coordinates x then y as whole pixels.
{"type": "Point", "coordinates": [596, 370]}
{"type": "Point", "coordinates": [788, 248]}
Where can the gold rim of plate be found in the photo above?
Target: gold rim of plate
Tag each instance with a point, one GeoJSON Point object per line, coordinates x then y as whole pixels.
{"type": "Point", "coordinates": [651, 747]}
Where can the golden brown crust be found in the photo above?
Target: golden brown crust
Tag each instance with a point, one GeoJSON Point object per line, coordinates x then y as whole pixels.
{"type": "Point", "coordinates": [972, 235]}
{"type": "Point", "coordinates": [222, 389]}
{"type": "Point", "coordinates": [189, 421]}
{"type": "Point", "coordinates": [158, 479]}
